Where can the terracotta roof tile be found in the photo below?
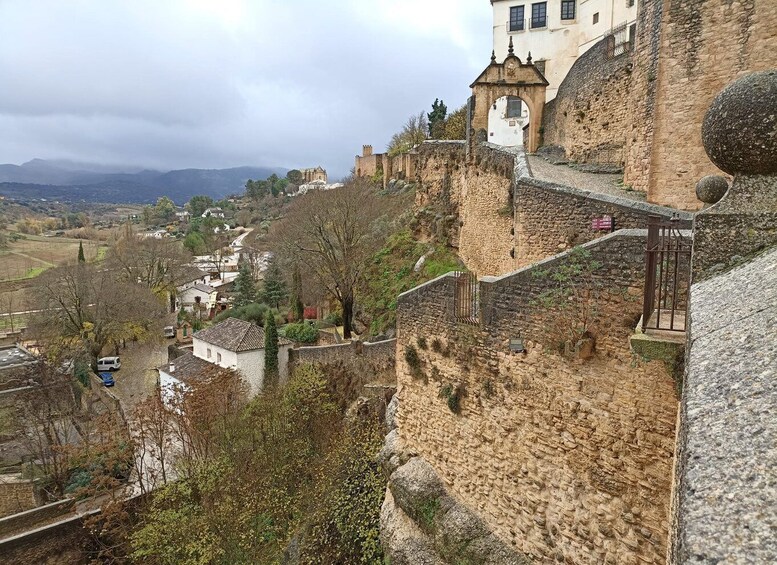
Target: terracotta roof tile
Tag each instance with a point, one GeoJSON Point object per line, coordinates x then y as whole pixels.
{"type": "Point", "coordinates": [236, 335]}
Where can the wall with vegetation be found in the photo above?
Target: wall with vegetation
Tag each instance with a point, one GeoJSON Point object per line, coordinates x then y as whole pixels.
{"type": "Point", "coordinates": [564, 459]}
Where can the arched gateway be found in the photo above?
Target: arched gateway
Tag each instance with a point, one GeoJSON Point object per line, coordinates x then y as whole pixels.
{"type": "Point", "coordinates": [510, 78]}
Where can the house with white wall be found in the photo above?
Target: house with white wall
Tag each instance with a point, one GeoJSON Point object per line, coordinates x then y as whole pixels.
{"type": "Point", "coordinates": [556, 33]}
{"type": "Point", "coordinates": [198, 297]}
{"type": "Point", "coordinates": [237, 344]}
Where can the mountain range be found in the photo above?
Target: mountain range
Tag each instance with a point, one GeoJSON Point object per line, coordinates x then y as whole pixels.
{"type": "Point", "coordinates": [67, 181]}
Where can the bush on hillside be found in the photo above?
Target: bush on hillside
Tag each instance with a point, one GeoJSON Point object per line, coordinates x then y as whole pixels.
{"type": "Point", "coordinates": [302, 332]}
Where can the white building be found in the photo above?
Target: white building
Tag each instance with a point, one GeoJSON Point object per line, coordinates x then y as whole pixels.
{"type": "Point", "coordinates": [213, 213]}
{"type": "Point", "coordinates": [317, 185]}
{"type": "Point", "coordinates": [233, 344]}
{"type": "Point", "coordinates": [557, 32]}
{"type": "Point", "coordinates": [197, 298]}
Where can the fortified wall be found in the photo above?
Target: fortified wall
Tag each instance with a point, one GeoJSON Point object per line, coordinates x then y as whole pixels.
{"type": "Point", "coordinates": [564, 460]}
{"type": "Point", "coordinates": [644, 108]}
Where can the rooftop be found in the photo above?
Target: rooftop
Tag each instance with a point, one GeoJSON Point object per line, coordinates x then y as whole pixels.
{"type": "Point", "coordinates": [187, 367]}
{"type": "Point", "coordinates": [236, 335]}
{"type": "Point", "coordinates": [14, 356]}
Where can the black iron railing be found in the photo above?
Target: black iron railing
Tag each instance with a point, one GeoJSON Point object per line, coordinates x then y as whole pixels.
{"type": "Point", "coordinates": [667, 276]}
{"type": "Point", "coordinates": [466, 298]}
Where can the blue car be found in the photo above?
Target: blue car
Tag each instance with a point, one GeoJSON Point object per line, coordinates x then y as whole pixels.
{"type": "Point", "coordinates": [107, 379]}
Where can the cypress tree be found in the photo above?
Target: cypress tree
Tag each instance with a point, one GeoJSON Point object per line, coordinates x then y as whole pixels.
{"type": "Point", "coordinates": [270, 350]}
{"type": "Point", "coordinates": [299, 306]}
{"type": "Point", "coordinates": [81, 258]}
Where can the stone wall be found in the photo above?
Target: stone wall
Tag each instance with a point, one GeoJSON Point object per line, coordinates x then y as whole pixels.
{"type": "Point", "coordinates": [687, 51]}
{"type": "Point", "coordinates": [550, 218]}
{"type": "Point", "coordinates": [35, 517]}
{"type": "Point", "coordinates": [563, 459]}
{"type": "Point", "coordinates": [60, 543]}
{"type": "Point", "coordinates": [380, 354]}
{"type": "Point", "coordinates": [589, 115]}
{"type": "Point", "coordinates": [16, 495]}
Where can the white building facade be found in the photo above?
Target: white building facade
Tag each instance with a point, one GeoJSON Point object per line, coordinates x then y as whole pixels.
{"type": "Point", "coordinates": [557, 32]}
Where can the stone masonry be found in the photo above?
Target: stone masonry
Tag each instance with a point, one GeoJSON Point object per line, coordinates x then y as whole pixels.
{"type": "Point", "coordinates": [562, 459]}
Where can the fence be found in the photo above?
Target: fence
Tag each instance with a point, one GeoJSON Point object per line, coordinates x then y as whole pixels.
{"type": "Point", "coordinates": [667, 276]}
{"type": "Point", "coordinates": [466, 298]}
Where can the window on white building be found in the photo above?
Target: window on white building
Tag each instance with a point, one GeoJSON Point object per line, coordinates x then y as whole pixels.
{"type": "Point", "coordinates": [568, 9]}
{"type": "Point", "coordinates": [539, 15]}
{"type": "Point", "coordinates": [596, 18]}
{"type": "Point", "coordinates": [208, 353]}
{"type": "Point", "coordinates": [218, 357]}
{"type": "Point", "coordinates": [516, 18]}
{"type": "Point", "coordinates": [514, 107]}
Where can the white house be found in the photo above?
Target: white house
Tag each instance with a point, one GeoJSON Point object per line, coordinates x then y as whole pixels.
{"type": "Point", "coordinates": [213, 213]}
{"type": "Point", "coordinates": [237, 344]}
{"type": "Point", "coordinates": [197, 297]}
{"type": "Point", "coordinates": [557, 32]}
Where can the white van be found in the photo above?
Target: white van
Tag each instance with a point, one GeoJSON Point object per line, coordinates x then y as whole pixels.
{"type": "Point", "coordinates": [108, 364]}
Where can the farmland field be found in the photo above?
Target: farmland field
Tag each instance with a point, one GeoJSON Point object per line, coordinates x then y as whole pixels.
{"type": "Point", "coordinates": [29, 257]}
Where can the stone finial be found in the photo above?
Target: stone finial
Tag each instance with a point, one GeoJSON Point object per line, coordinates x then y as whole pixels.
{"type": "Point", "coordinates": [710, 189]}
{"type": "Point", "coordinates": [493, 57]}
{"type": "Point", "coordinates": [528, 59]}
{"type": "Point", "coordinates": [740, 128]}
{"type": "Point", "coordinates": [510, 48]}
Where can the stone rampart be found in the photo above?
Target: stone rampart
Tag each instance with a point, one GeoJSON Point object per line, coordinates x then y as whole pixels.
{"type": "Point", "coordinates": [380, 353]}
{"type": "Point", "coordinates": [551, 217]}
{"type": "Point", "coordinates": [35, 517]}
{"type": "Point", "coordinates": [589, 116]}
{"type": "Point", "coordinates": [564, 460]}
{"type": "Point", "coordinates": [685, 53]}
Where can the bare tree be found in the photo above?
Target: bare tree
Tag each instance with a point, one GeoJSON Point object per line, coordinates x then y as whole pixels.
{"type": "Point", "coordinates": [413, 133]}
{"type": "Point", "coordinates": [86, 307]}
{"type": "Point", "coordinates": [157, 264]}
{"type": "Point", "coordinates": [333, 233]}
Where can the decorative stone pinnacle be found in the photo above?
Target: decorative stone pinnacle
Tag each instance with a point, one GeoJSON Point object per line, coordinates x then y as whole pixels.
{"type": "Point", "coordinates": [510, 49]}
{"type": "Point", "coordinates": [528, 59]}
{"type": "Point", "coordinates": [739, 129]}
{"type": "Point", "coordinates": [493, 56]}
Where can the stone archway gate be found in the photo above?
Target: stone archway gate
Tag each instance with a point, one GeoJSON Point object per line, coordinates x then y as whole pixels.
{"type": "Point", "coordinates": [509, 78]}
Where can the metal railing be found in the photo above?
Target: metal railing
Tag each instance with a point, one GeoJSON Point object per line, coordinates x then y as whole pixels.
{"type": "Point", "coordinates": [619, 41]}
{"type": "Point", "coordinates": [466, 298]}
{"type": "Point", "coordinates": [667, 276]}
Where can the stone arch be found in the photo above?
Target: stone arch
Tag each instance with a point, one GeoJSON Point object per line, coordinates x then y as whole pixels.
{"type": "Point", "coordinates": [510, 78]}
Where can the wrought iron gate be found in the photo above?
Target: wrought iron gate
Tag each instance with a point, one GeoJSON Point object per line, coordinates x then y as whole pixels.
{"type": "Point", "coordinates": [466, 298]}
{"type": "Point", "coordinates": [667, 276]}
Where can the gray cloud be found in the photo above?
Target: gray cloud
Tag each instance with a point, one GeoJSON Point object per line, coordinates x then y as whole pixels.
{"type": "Point", "coordinates": [201, 83]}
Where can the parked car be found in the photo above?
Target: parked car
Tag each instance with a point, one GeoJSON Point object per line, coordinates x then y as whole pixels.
{"type": "Point", "coordinates": [107, 379]}
{"type": "Point", "coordinates": [169, 331]}
{"type": "Point", "coordinates": [108, 364]}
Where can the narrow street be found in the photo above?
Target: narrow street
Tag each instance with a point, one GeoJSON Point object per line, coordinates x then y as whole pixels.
{"type": "Point", "coordinates": [137, 378]}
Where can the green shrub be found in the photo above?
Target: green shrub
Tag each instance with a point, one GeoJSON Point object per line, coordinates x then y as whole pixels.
{"type": "Point", "coordinates": [302, 332]}
{"type": "Point", "coordinates": [421, 341]}
{"type": "Point", "coordinates": [453, 394]}
{"type": "Point", "coordinates": [334, 318]}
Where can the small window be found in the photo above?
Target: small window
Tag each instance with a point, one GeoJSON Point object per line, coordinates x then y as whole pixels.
{"type": "Point", "coordinates": [567, 9]}
{"type": "Point", "coordinates": [539, 15]}
{"type": "Point", "coordinates": [516, 18]}
{"type": "Point", "coordinates": [514, 107]}
{"type": "Point", "coordinates": [596, 18]}
{"type": "Point", "coordinates": [209, 354]}
{"type": "Point", "coordinates": [218, 357]}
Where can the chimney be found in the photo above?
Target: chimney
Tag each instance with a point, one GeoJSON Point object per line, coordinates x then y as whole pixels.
{"type": "Point", "coordinates": [172, 367]}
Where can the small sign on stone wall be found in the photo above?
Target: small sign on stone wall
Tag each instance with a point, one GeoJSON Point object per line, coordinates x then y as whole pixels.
{"type": "Point", "coordinates": [516, 346]}
{"type": "Point", "coordinates": [605, 223]}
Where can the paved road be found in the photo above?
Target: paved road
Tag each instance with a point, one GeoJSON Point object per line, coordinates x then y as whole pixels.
{"type": "Point", "coordinates": [563, 174]}
{"type": "Point", "coordinates": [138, 376]}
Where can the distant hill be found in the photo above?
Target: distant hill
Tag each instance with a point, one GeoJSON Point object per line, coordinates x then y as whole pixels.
{"type": "Point", "coordinates": [67, 181]}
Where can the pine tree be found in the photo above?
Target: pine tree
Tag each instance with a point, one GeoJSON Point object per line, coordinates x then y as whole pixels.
{"type": "Point", "coordinates": [245, 286]}
{"type": "Point", "coordinates": [81, 258]}
{"type": "Point", "coordinates": [270, 350]}
{"type": "Point", "coordinates": [436, 119]}
{"type": "Point", "coordinates": [274, 291]}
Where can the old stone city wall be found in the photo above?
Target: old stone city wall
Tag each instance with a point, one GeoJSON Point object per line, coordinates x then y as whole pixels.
{"type": "Point", "coordinates": [686, 52]}
{"type": "Point", "coordinates": [550, 218]}
{"type": "Point", "coordinates": [589, 115]}
{"type": "Point", "coordinates": [563, 459]}
{"type": "Point", "coordinates": [16, 495]}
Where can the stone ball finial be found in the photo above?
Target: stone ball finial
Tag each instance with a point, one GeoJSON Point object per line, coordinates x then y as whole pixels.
{"type": "Point", "coordinates": [710, 189]}
{"type": "Point", "coordinates": [740, 128]}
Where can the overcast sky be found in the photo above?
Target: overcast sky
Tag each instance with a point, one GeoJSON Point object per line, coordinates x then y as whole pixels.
{"type": "Point", "coordinates": [209, 84]}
